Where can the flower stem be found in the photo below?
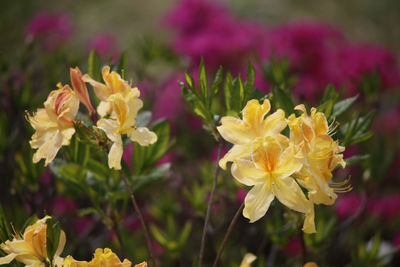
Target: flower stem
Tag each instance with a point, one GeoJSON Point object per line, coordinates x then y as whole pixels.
{"type": "Point", "coordinates": [228, 233]}
{"type": "Point", "coordinates": [303, 246]}
{"type": "Point", "coordinates": [207, 219]}
{"type": "Point", "coordinates": [139, 213]}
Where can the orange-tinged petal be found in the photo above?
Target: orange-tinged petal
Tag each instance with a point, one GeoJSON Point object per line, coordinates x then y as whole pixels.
{"type": "Point", "coordinates": [253, 113]}
{"type": "Point", "coordinates": [7, 259]}
{"type": "Point", "coordinates": [48, 150]}
{"type": "Point", "coordinates": [100, 89]}
{"type": "Point", "coordinates": [80, 88]}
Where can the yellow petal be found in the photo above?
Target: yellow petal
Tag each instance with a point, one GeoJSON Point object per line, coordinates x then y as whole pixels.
{"type": "Point", "coordinates": [247, 260]}
{"type": "Point", "coordinates": [48, 150]}
{"type": "Point", "coordinates": [267, 156]}
{"type": "Point", "coordinates": [61, 244]}
{"type": "Point", "coordinates": [143, 136]}
{"type": "Point", "coordinates": [289, 193]}
{"type": "Point", "coordinates": [110, 127]}
{"type": "Point", "coordinates": [235, 131]}
{"type": "Point", "coordinates": [104, 108]}
{"type": "Point", "coordinates": [100, 89]}
{"type": "Point", "coordinates": [115, 154]}
{"type": "Point", "coordinates": [253, 113]}
{"type": "Point", "coordinates": [288, 164]}
{"type": "Point", "coordinates": [236, 152]}
{"type": "Point", "coordinates": [320, 122]}
{"type": "Point", "coordinates": [7, 259]}
{"type": "Point", "coordinates": [274, 123]}
{"type": "Point", "coordinates": [142, 264]}
{"type": "Point", "coordinates": [257, 202]}
{"type": "Point", "coordinates": [247, 173]}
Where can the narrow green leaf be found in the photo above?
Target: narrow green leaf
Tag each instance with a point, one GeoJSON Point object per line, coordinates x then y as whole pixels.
{"type": "Point", "coordinates": [250, 80]}
{"type": "Point", "coordinates": [122, 66]}
{"type": "Point", "coordinates": [53, 232]}
{"type": "Point", "coordinates": [94, 66]}
{"type": "Point", "coordinates": [217, 81]}
{"type": "Point", "coordinates": [340, 107]}
{"type": "Point", "coordinates": [203, 82]}
{"type": "Point", "coordinates": [355, 160]}
{"type": "Point", "coordinates": [228, 90]}
{"type": "Point", "coordinates": [283, 100]}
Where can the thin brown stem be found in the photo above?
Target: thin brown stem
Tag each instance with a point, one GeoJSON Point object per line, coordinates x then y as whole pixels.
{"type": "Point", "coordinates": [303, 246]}
{"type": "Point", "coordinates": [228, 233]}
{"type": "Point", "coordinates": [139, 213]}
{"type": "Point", "coordinates": [207, 219]}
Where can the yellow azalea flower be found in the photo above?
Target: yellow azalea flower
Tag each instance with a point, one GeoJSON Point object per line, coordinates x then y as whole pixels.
{"type": "Point", "coordinates": [123, 121]}
{"type": "Point", "coordinates": [310, 264]}
{"type": "Point", "coordinates": [102, 258]}
{"type": "Point", "coordinates": [31, 250]}
{"type": "Point", "coordinates": [80, 88]}
{"type": "Point", "coordinates": [248, 260]}
{"type": "Point", "coordinates": [54, 123]}
{"type": "Point", "coordinates": [254, 125]}
{"type": "Point", "coordinates": [114, 84]}
{"type": "Point", "coordinates": [321, 155]}
{"type": "Point", "coordinates": [269, 171]}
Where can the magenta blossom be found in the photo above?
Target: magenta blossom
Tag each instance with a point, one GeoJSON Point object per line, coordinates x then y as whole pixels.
{"type": "Point", "coordinates": [51, 29]}
{"type": "Point", "coordinates": [83, 225]}
{"type": "Point", "coordinates": [105, 45]}
{"type": "Point", "coordinates": [386, 207]}
{"type": "Point", "coordinates": [62, 206]}
{"type": "Point", "coordinates": [348, 205]}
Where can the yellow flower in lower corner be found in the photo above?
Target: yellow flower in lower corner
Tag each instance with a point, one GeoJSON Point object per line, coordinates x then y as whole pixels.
{"type": "Point", "coordinates": [31, 249]}
{"type": "Point", "coordinates": [269, 172]}
{"type": "Point", "coordinates": [123, 121]}
{"type": "Point", "coordinates": [101, 258]}
{"type": "Point", "coordinates": [54, 124]}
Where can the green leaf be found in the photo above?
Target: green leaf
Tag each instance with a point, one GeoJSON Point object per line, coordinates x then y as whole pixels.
{"type": "Point", "coordinates": [283, 100]}
{"type": "Point", "coordinates": [217, 81]}
{"type": "Point", "coordinates": [99, 170]}
{"type": "Point", "coordinates": [87, 211]}
{"type": "Point", "coordinates": [143, 119]}
{"type": "Point", "coordinates": [203, 82]}
{"type": "Point", "coordinates": [249, 85]}
{"type": "Point", "coordinates": [355, 160]}
{"type": "Point", "coordinates": [340, 107]}
{"type": "Point", "coordinates": [144, 181]}
{"type": "Point", "coordinates": [196, 105]}
{"type": "Point", "coordinates": [53, 232]}
{"type": "Point", "coordinates": [5, 228]}
{"type": "Point", "coordinates": [94, 66]}
{"type": "Point", "coordinates": [146, 157]}
{"type": "Point", "coordinates": [122, 66]}
{"type": "Point", "coordinates": [228, 90]}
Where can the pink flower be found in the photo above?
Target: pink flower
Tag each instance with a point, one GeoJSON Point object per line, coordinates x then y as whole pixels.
{"type": "Point", "coordinates": [83, 225]}
{"type": "Point", "coordinates": [386, 207]}
{"type": "Point", "coordinates": [396, 240]}
{"type": "Point", "coordinates": [105, 45]}
{"type": "Point", "coordinates": [53, 29]}
{"type": "Point", "coordinates": [347, 205]}
{"type": "Point", "coordinates": [357, 60]}
{"type": "Point", "coordinates": [293, 247]}
{"type": "Point", "coordinates": [62, 206]}
{"type": "Point", "coordinates": [241, 194]}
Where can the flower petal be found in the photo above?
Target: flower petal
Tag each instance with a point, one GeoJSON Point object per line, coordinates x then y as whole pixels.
{"type": "Point", "coordinates": [100, 89]}
{"type": "Point", "coordinates": [253, 112]}
{"type": "Point", "coordinates": [247, 173]}
{"type": "Point", "coordinates": [115, 154]}
{"type": "Point", "coordinates": [143, 136]}
{"type": "Point", "coordinates": [257, 202]}
{"type": "Point", "coordinates": [236, 152]}
{"type": "Point", "coordinates": [274, 123]}
{"type": "Point", "coordinates": [48, 150]}
{"type": "Point", "coordinates": [7, 259]}
{"type": "Point", "coordinates": [235, 131]}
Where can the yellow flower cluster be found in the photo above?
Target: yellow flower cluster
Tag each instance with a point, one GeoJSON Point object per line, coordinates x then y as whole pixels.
{"type": "Point", "coordinates": [103, 258]}
{"type": "Point", "coordinates": [276, 165]}
{"type": "Point", "coordinates": [119, 106]}
{"type": "Point", "coordinates": [31, 249]}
